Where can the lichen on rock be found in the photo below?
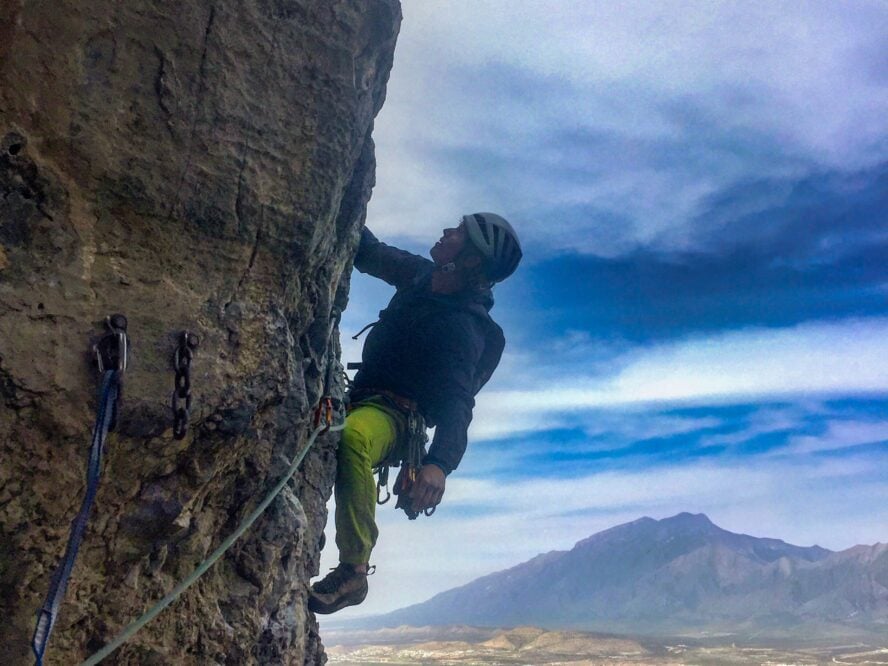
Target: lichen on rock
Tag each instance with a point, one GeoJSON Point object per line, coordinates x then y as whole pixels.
{"type": "Point", "coordinates": [202, 166]}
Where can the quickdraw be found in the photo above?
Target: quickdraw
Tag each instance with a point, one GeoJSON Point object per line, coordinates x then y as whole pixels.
{"type": "Point", "coordinates": [410, 465]}
{"type": "Point", "coordinates": [325, 410]}
{"type": "Point", "coordinates": [111, 359]}
{"type": "Point", "coordinates": [181, 399]}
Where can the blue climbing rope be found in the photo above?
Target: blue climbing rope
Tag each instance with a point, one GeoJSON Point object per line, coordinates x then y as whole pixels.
{"type": "Point", "coordinates": [109, 392]}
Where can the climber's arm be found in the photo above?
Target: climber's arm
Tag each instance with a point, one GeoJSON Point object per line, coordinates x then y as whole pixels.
{"type": "Point", "coordinates": [397, 267]}
{"type": "Point", "coordinates": [452, 367]}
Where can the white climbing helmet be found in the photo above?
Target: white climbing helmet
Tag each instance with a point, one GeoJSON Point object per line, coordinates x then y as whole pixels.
{"type": "Point", "coordinates": [497, 241]}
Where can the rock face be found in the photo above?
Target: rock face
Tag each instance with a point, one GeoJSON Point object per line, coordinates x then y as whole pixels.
{"type": "Point", "coordinates": [202, 166]}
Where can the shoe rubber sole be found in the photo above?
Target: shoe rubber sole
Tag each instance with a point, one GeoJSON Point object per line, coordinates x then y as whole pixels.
{"type": "Point", "coordinates": [321, 607]}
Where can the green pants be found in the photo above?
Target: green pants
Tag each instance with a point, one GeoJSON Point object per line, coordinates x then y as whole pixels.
{"type": "Point", "coordinates": [370, 433]}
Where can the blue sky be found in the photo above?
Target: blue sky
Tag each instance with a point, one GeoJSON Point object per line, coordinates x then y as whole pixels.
{"type": "Point", "coordinates": [701, 320]}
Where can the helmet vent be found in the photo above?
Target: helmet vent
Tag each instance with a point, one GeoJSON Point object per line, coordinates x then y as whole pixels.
{"type": "Point", "coordinates": [482, 225]}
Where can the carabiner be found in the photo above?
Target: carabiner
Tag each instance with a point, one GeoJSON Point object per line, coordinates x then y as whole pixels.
{"type": "Point", "coordinates": [324, 413]}
{"type": "Point", "coordinates": [111, 349]}
{"type": "Point", "coordinates": [379, 489]}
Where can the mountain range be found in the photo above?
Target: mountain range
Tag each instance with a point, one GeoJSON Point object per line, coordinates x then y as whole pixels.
{"type": "Point", "coordinates": [678, 575]}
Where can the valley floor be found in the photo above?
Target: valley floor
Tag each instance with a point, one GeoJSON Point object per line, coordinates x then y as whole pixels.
{"type": "Point", "coordinates": [528, 645]}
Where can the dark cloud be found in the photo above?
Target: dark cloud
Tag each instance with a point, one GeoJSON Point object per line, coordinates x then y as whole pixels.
{"type": "Point", "coordinates": [724, 432]}
{"type": "Point", "coordinates": [817, 249]}
{"type": "Point", "coordinates": [816, 219]}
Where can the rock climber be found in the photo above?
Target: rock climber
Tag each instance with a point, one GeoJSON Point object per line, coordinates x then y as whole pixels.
{"type": "Point", "coordinates": [424, 361]}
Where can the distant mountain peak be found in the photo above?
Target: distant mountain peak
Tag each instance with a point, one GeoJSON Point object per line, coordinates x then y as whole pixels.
{"type": "Point", "coordinates": [691, 522]}
{"type": "Point", "coordinates": [684, 522]}
{"type": "Point", "coordinates": [672, 574]}
{"type": "Point", "coordinates": [687, 518]}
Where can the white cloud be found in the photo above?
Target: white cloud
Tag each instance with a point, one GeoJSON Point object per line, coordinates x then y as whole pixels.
{"type": "Point", "coordinates": [811, 61]}
{"type": "Point", "coordinates": [647, 426]}
{"type": "Point", "coordinates": [766, 420]}
{"type": "Point", "coordinates": [839, 435]}
{"type": "Point", "coordinates": [810, 360]}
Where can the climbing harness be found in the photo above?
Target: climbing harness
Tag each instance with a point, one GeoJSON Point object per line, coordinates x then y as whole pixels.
{"type": "Point", "coordinates": [181, 400]}
{"type": "Point", "coordinates": [408, 455]}
{"type": "Point", "coordinates": [111, 359]}
{"type": "Point", "coordinates": [324, 417]}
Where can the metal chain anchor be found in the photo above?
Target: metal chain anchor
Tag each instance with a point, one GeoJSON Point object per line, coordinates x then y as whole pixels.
{"type": "Point", "coordinates": [181, 400]}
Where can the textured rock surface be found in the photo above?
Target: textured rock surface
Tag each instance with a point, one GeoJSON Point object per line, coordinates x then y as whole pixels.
{"type": "Point", "coordinates": [200, 166]}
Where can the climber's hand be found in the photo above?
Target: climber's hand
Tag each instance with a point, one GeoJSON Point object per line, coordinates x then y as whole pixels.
{"type": "Point", "coordinates": [428, 489]}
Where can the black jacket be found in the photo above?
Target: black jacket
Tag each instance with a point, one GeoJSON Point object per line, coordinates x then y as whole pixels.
{"type": "Point", "coordinates": [436, 349]}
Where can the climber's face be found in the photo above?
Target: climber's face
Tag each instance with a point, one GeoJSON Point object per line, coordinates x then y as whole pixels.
{"type": "Point", "coordinates": [452, 243]}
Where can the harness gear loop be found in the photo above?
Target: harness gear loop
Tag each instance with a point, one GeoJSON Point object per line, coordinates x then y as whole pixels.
{"type": "Point", "coordinates": [111, 359]}
{"type": "Point", "coordinates": [181, 398]}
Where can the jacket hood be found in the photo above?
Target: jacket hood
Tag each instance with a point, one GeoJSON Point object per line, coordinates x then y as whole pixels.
{"type": "Point", "coordinates": [484, 298]}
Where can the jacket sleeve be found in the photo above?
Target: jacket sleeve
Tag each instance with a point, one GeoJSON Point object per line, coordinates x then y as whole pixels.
{"type": "Point", "coordinates": [452, 367]}
{"type": "Point", "coordinates": [397, 267]}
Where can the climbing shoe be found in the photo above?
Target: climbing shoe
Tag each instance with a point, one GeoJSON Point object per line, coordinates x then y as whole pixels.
{"type": "Point", "coordinates": [342, 587]}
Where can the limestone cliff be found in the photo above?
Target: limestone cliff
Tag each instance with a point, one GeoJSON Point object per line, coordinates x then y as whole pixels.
{"type": "Point", "coordinates": [204, 166]}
